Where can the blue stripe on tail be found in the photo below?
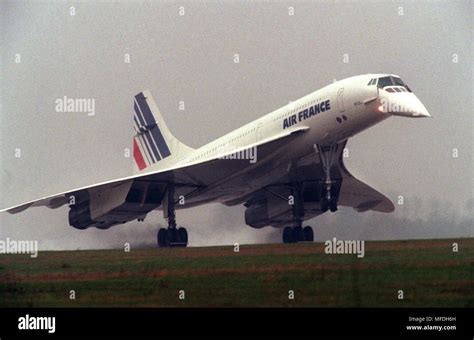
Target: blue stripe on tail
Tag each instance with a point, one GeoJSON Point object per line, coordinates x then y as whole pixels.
{"type": "Point", "coordinates": [145, 109]}
{"type": "Point", "coordinates": [156, 152]}
{"type": "Point", "coordinates": [153, 152]}
{"type": "Point", "coordinates": [147, 138]}
{"type": "Point", "coordinates": [154, 132]}
{"type": "Point", "coordinates": [138, 114]}
{"type": "Point", "coordinates": [160, 141]}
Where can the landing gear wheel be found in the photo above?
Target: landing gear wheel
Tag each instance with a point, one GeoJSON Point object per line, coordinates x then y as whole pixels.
{"type": "Point", "coordinates": [162, 236]}
{"type": "Point", "coordinates": [288, 235]}
{"type": "Point", "coordinates": [183, 237]}
{"type": "Point", "coordinates": [333, 204]}
{"type": "Point", "coordinates": [298, 235]}
{"type": "Point", "coordinates": [308, 234]}
{"type": "Point", "coordinates": [172, 237]}
{"type": "Point", "coordinates": [324, 204]}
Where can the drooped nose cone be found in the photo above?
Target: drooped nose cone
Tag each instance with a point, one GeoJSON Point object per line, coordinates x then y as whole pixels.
{"type": "Point", "coordinates": [404, 104]}
{"type": "Point", "coordinates": [418, 109]}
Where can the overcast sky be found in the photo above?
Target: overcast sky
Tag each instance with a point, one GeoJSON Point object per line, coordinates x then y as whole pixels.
{"type": "Point", "coordinates": [190, 58]}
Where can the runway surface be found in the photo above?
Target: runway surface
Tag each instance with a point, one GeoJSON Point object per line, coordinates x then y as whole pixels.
{"type": "Point", "coordinates": [426, 273]}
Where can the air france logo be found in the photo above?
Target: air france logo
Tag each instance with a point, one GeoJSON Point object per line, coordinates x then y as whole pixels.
{"type": "Point", "coordinates": [307, 113]}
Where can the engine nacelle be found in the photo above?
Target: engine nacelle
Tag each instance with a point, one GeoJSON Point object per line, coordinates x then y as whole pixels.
{"type": "Point", "coordinates": [115, 204]}
{"type": "Point", "coordinates": [106, 198]}
{"type": "Point", "coordinates": [261, 212]}
{"type": "Point", "coordinates": [273, 210]}
{"type": "Point", "coordinates": [256, 214]}
{"type": "Point", "coordinates": [80, 216]}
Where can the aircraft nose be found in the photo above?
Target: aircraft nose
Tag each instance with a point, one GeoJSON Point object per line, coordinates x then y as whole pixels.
{"type": "Point", "coordinates": [421, 111]}
{"type": "Point", "coordinates": [403, 104]}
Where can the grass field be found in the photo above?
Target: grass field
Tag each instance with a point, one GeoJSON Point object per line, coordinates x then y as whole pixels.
{"type": "Point", "coordinates": [428, 271]}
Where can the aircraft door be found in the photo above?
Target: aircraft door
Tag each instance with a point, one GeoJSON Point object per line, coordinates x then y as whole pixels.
{"type": "Point", "coordinates": [340, 100]}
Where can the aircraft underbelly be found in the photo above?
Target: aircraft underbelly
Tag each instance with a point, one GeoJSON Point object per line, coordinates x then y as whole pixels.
{"type": "Point", "coordinates": [240, 177]}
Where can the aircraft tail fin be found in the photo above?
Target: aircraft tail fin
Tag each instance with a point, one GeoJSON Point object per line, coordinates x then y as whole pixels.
{"type": "Point", "coordinates": [153, 142]}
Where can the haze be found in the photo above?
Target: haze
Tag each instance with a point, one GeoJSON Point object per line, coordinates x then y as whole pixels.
{"type": "Point", "coordinates": [190, 58]}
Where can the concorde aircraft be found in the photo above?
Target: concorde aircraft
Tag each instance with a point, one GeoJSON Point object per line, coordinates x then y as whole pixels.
{"type": "Point", "coordinates": [285, 167]}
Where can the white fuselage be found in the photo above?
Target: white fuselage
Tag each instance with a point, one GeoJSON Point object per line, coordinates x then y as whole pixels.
{"type": "Point", "coordinates": [285, 142]}
{"type": "Point", "coordinates": [350, 100]}
{"type": "Point", "coordinates": [331, 115]}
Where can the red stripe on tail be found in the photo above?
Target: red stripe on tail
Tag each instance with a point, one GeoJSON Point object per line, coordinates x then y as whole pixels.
{"type": "Point", "coordinates": [138, 156]}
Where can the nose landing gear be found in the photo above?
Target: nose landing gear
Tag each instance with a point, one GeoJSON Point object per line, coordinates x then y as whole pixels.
{"type": "Point", "coordinates": [328, 193]}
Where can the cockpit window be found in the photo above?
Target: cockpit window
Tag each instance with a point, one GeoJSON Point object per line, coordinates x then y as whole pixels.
{"type": "Point", "coordinates": [384, 81]}
{"type": "Point", "coordinates": [371, 82]}
{"type": "Point", "coordinates": [393, 81]}
{"type": "Point", "coordinates": [398, 81]}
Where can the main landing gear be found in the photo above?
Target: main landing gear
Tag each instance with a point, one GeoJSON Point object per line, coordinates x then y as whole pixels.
{"type": "Point", "coordinates": [327, 197]}
{"type": "Point", "coordinates": [171, 236]}
{"type": "Point", "coordinates": [329, 194]}
{"type": "Point", "coordinates": [297, 233]}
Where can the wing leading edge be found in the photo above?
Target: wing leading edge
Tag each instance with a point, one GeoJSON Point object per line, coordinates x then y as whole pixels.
{"type": "Point", "coordinates": [182, 172]}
